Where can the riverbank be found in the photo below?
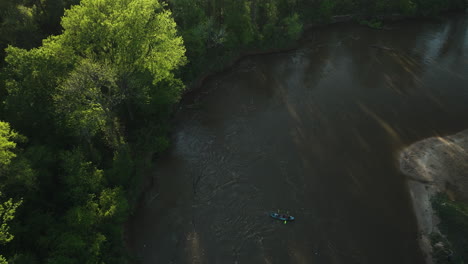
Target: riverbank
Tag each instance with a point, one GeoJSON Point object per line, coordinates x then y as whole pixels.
{"type": "Point", "coordinates": [435, 165]}
{"type": "Point", "coordinates": [194, 85]}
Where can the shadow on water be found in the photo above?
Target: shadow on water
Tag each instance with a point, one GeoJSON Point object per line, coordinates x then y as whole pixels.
{"type": "Point", "coordinates": [317, 132]}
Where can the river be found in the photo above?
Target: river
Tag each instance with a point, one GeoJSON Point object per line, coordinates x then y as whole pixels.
{"type": "Point", "coordinates": [315, 131]}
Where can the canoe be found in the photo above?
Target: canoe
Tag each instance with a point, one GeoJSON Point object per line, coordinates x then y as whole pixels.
{"type": "Point", "coordinates": [282, 217]}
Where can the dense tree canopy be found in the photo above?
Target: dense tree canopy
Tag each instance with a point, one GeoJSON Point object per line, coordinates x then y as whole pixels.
{"type": "Point", "coordinates": [74, 96]}
{"type": "Point", "coordinates": [133, 36]}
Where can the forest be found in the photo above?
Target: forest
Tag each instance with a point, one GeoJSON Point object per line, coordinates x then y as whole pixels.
{"type": "Point", "coordinates": [87, 91]}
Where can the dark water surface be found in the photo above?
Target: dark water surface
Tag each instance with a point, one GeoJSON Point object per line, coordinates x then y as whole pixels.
{"type": "Point", "coordinates": [316, 132]}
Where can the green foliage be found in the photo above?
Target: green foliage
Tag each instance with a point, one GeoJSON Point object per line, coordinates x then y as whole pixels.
{"type": "Point", "coordinates": [50, 12]}
{"type": "Point", "coordinates": [7, 212]}
{"type": "Point", "coordinates": [123, 168]}
{"type": "Point", "coordinates": [293, 26]}
{"type": "Point", "coordinates": [23, 23]}
{"type": "Point", "coordinates": [268, 20]}
{"type": "Point", "coordinates": [68, 243]}
{"type": "Point", "coordinates": [88, 227]}
{"type": "Point", "coordinates": [17, 26]}
{"type": "Point", "coordinates": [375, 24]}
{"type": "Point", "coordinates": [20, 177]}
{"type": "Point", "coordinates": [32, 78]}
{"type": "Point", "coordinates": [269, 13]}
{"type": "Point", "coordinates": [453, 225]}
{"type": "Point", "coordinates": [23, 259]}
{"type": "Point", "coordinates": [442, 251]}
{"type": "Point", "coordinates": [187, 13]}
{"type": "Point", "coordinates": [133, 46]}
{"type": "Point", "coordinates": [88, 99]}
{"type": "Point", "coordinates": [79, 177]}
{"type": "Point", "coordinates": [15, 171]}
{"type": "Point", "coordinates": [239, 24]}
{"type": "Point", "coordinates": [111, 70]}
{"type": "Point", "coordinates": [326, 10]}
{"type": "Point", "coordinates": [6, 144]}
{"type": "Point", "coordinates": [133, 36]}
{"type": "Point", "coordinates": [408, 7]}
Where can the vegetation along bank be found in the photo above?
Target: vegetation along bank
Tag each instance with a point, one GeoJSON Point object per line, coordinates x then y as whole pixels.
{"type": "Point", "coordinates": [436, 170]}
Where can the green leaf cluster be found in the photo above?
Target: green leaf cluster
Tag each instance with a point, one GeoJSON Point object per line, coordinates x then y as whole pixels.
{"type": "Point", "coordinates": [454, 226]}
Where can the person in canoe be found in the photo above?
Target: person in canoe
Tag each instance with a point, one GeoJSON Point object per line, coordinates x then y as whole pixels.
{"type": "Point", "coordinates": [282, 217]}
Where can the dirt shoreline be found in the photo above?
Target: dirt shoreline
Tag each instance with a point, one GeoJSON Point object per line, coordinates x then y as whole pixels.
{"type": "Point", "coordinates": [433, 165]}
{"type": "Point", "coordinates": [197, 83]}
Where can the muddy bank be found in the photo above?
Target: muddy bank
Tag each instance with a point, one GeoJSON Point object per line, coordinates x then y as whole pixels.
{"type": "Point", "coordinates": [437, 164]}
{"type": "Point", "coordinates": [193, 87]}
{"type": "Point", "coordinates": [196, 84]}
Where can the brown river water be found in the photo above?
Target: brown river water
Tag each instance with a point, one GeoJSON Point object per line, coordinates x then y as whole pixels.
{"type": "Point", "coordinates": [315, 131]}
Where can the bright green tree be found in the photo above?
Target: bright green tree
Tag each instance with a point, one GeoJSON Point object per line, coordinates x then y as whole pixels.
{"type": "Point", "coordinates": [7, 212]}
{"type": "Point", "coordinates": [6, 144]}
{"type": "Point", "coordinates": [7, 208]}
{"type": "Point", "coordinates": [132, 35]}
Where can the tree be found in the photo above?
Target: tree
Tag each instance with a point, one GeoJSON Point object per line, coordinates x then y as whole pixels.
{"type": "Point", "coordinates": [88, 226]}
{"type": "Point", "coordinates": [72, 90]}
{"type": "Point", "coordinates": [6, 144]}
{"type": "Point", "coordinates": [88, 98]}
{"type": "Point", "coordinates": [32, 78]}
{"type": "Point", "coordinates": [24, 23]}
{"type": "Point", "coordinates": [293, 26]}
{"type": "Point", "coordinates": [133, 35]}
{"type": "Point", "coordinates": [7, 208]}
{"type": "Point", "coordinates": [80, 177]}
{"type": "Point", "coordinates": [17, 25]}
{"type": "Point", "coordinates": [7, 212]}
{"type": "Point", "coordinates": [239, 23]}
{"type": "Point", "coordinates": [137, 37]}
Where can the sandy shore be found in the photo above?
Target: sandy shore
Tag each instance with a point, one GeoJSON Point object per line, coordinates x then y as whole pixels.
{"type": "Point", "coordinates": [437, 164]}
